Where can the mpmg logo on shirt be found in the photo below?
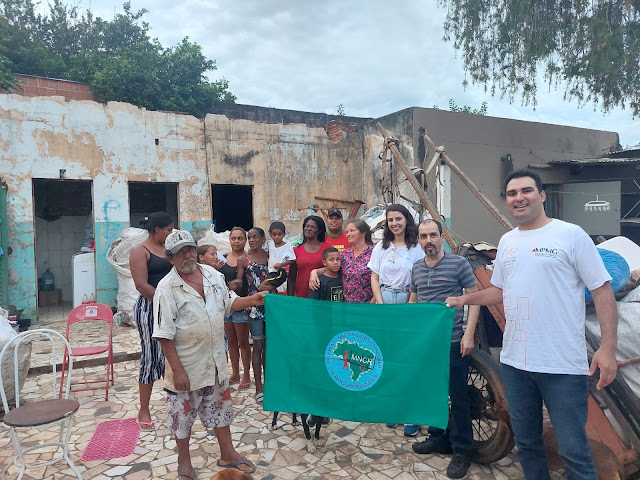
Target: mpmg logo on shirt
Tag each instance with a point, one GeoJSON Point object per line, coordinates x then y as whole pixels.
{"type": "Point", "coordinates": [545, 252]}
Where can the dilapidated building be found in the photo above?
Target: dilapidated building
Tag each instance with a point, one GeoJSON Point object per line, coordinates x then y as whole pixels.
{"type": "Point", "coordinates": [68, 162]}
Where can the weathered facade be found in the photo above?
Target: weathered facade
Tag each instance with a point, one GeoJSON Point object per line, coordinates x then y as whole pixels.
{"type": "Point", "coordinates": [283, 159]}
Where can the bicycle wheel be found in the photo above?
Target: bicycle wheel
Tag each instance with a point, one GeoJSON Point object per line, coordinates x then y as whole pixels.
{"type": "Point", "coordinates": [492, 434]}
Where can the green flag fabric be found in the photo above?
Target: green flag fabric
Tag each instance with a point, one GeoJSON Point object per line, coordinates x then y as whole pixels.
{"type": "Point", "coordinates": [358, 362]}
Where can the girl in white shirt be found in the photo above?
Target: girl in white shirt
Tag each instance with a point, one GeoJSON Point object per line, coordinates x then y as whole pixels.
{"type": "Point", "coordinates": [392, 259]}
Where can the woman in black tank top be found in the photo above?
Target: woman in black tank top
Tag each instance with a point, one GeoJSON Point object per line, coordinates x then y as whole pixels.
{"type": "Point", "coordinates": [149, 265]}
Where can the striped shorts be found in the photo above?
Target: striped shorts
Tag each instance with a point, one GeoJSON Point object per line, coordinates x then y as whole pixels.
{"type": "Point", "coordinates": [152, 358]}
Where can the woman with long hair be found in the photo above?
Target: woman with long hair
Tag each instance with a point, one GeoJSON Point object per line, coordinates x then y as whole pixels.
{"type": "Point", "coordinates": [308, 256]}
{"type": "Point", "coordinates": [391, 262]}
{"type": "Point", "coordinates": [392, 259]}
{"type": "Point", "coordinates": [149, 264]}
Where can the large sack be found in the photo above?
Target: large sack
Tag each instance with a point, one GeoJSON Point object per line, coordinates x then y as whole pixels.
{"type": "Point", "coordinates": [8, 370]}
{"type": "Point", "coordinates": [220, 240]}
{"type": "Point", "coordinates": [617, 267]}
{"type": "Point", "coordinates": [118, 256]}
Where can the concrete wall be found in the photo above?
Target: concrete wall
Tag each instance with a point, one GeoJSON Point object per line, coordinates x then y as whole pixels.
{"type": "Point", "coordinates": [108, 144]}
{"type": "Point", "coordinates": [287, 165]}
{"type": "Point", "coordinates": [113, 144]}
{"type": "Point", "coordinates": [477, 143]}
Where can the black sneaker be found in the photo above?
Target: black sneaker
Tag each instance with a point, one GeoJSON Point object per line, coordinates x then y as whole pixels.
{"type": "Point", "coordinates": [432, 445]}
{"type": "Point", "coordinates": [460, 463]}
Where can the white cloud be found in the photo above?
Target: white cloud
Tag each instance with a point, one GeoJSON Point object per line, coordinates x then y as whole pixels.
{"type": "Point", "coordinates": [374, 57]}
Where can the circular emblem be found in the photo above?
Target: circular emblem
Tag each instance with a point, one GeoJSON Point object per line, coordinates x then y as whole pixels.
{"type": "Point", "coordinates": [354, 360]}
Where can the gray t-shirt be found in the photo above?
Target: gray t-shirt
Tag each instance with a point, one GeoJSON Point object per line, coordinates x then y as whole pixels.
{"type": "Point", "coordinates": [447, 278]}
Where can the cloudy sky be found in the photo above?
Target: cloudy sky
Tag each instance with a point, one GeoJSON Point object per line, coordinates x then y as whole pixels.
{"type": "Point", "coordinates": [374, 57]}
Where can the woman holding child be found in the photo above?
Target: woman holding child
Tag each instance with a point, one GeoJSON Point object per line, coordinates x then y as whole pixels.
{"type": "Point", "coordinates": [356, 274]}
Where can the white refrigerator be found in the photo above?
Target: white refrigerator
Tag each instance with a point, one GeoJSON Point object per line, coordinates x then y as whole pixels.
{"type": "Point", "coordinates": [84, 277]}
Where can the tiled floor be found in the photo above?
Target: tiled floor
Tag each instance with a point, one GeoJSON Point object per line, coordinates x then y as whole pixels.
{"type": "Point", "coordinates": [353, 450]}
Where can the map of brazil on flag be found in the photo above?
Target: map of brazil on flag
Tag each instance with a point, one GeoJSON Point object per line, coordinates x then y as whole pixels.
{"type": "Point", "coordinates": [358, 362]}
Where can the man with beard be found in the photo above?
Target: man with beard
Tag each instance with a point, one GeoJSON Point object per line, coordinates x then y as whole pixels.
{"type": "Point", "coordinates": [189, 307]}
{"type": "Point", "coordinates": [540, 273]}
{"type": "Point", "coordinates": [438, 276]}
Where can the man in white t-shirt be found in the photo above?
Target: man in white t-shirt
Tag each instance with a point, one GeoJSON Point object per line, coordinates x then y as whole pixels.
{"type": "Point", "coordinates": [541, 270]}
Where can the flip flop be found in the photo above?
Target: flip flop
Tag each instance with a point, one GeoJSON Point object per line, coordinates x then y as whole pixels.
{"type": "Point", "coordinates": [244, 386]}
{"type": "Point", "coordinates": [259, 397]}
{"type": "Point", "coordinates": [146, 426]}
{"type": "Point", "coordinates": [244, 461]}
{"type": "Point", "coordinates": [193, 472]}
{"type": "Point", "coordinates": [233, 382]}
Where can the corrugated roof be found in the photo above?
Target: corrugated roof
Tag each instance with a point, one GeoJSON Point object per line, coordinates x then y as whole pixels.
{"type": "Point", "coordinates": [595, 161]}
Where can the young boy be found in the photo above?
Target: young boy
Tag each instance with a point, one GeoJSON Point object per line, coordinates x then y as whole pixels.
{"type": "Point", "coordinates": [281, 255]}
{"type": "Point", "coordinates": [330, 281]}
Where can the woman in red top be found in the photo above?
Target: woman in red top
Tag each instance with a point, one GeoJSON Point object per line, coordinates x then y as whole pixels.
{"type": "Point", "coordinates": [308, 256]}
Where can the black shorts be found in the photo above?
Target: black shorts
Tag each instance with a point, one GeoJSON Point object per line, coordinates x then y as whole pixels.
{"type": "Point", "coordinates": [276, 278]}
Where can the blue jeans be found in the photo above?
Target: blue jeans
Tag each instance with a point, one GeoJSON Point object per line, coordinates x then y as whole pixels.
{"type": "Point", "coordinates": [460, 431]}
{"type": "Point", "coordinates": [394, 295]}
{"type": "Point", "coordinates": [565, 397]}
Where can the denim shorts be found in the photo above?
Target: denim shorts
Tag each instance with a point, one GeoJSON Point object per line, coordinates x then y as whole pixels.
{"type": "Point", "coordinates": [237, 317]}
{"type": "Point", "coordinates": [256, 327]}
{"type": "Point", "coordinates": [394, 295]}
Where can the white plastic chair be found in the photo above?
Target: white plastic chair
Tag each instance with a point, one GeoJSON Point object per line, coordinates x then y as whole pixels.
{"type": "Point", "coordinates": [39, 414]}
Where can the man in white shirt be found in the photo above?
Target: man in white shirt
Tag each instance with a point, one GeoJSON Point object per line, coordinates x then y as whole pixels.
{"type": "Point", "coordinates": [540, 273]}
{"type": "Point", "coordinates": [189, 307]}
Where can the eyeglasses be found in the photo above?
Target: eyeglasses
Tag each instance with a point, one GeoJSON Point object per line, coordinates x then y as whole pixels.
{"type": "Point", "coordinates": [429, 277]}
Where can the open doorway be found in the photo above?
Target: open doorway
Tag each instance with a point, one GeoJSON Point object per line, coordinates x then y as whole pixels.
{"type": "Point", "coordinates": [149, 197]}
{"type": "Point", "coordinates": [232, 206]}
{"type": "Point", "coordinates": [63, 211]}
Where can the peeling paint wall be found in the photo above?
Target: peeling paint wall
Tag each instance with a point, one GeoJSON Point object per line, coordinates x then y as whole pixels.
{"type": "Point", "coordinates": [288, 157]}
{"type": "Point", "coordinates": [287, 164]}
{"type": "Point", "coordinates": [108, 144]}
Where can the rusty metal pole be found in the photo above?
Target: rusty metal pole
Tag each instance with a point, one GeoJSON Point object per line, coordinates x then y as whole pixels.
{"type": "Point", "coordinates": [433, 211]}
{"type": "Point", "coordinates": [384, 173]}
{"type": "Point", "coordinates": [472, 186]}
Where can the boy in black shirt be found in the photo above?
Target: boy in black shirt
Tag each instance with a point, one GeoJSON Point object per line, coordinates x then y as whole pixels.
{"type": "Point", "coordinates": [330, 281]}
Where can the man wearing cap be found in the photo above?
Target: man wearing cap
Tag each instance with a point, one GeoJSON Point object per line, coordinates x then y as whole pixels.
{"type": "Point", "coordinates": [189, 307]}
{"type": "Point", "coordinates": [335, 236]}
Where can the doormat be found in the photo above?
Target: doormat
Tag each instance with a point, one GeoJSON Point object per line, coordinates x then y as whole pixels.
{"type": "Point", "coordinates": [112, 439]}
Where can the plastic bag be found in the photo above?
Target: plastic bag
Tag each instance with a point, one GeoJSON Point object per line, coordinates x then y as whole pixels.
{"type": "Point", "coordinates": [7, 333]}
{"type": "Point", "coordinates": [617, 267]}
{"type": "Point", "coordinates": [118, 256]}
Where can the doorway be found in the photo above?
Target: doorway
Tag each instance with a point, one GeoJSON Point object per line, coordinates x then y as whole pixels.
{"type": "Point", "coordinates": [63, 212]}
{"type": "Point", "coordinates": [232, 206]}
{"type": "Point", "coordinates": [149, 197]}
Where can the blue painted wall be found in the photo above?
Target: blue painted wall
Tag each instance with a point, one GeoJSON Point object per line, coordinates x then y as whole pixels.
{"type": "Point", "coordinates": [22, 269]}
{"type": "Point", "coordinates": [197, 228]}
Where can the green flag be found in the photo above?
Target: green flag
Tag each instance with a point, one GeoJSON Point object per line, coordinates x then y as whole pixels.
{"type": "Point", "coordinates": [358, 362]}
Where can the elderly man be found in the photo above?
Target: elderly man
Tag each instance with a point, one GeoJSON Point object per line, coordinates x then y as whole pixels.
{"type": "Point", "coordinates": [189, 307]}
{"type": "Point", "coordinates": [438, 276]}
{"type": "Point", "coordinates": [540, 273]}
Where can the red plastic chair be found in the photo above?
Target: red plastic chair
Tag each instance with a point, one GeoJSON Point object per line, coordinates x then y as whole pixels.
{"type": "Point", "coordinates": [91, 312]}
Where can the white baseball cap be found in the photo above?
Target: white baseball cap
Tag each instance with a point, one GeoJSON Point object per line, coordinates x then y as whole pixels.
{"type": "Point", "coordinates": [178, 239]}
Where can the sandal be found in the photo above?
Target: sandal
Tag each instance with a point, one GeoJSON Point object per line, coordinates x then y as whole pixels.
{"type": "Point", "coordinates": [244, 386]}
{"type": "Point", "coordinates": [193, 473]}
{"type": "Point", "coordinates": [235, 465]}
{"type": "Point", "coordinates": [146, 426]}
{"type": "Point", "coordinates": [259, 397]}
